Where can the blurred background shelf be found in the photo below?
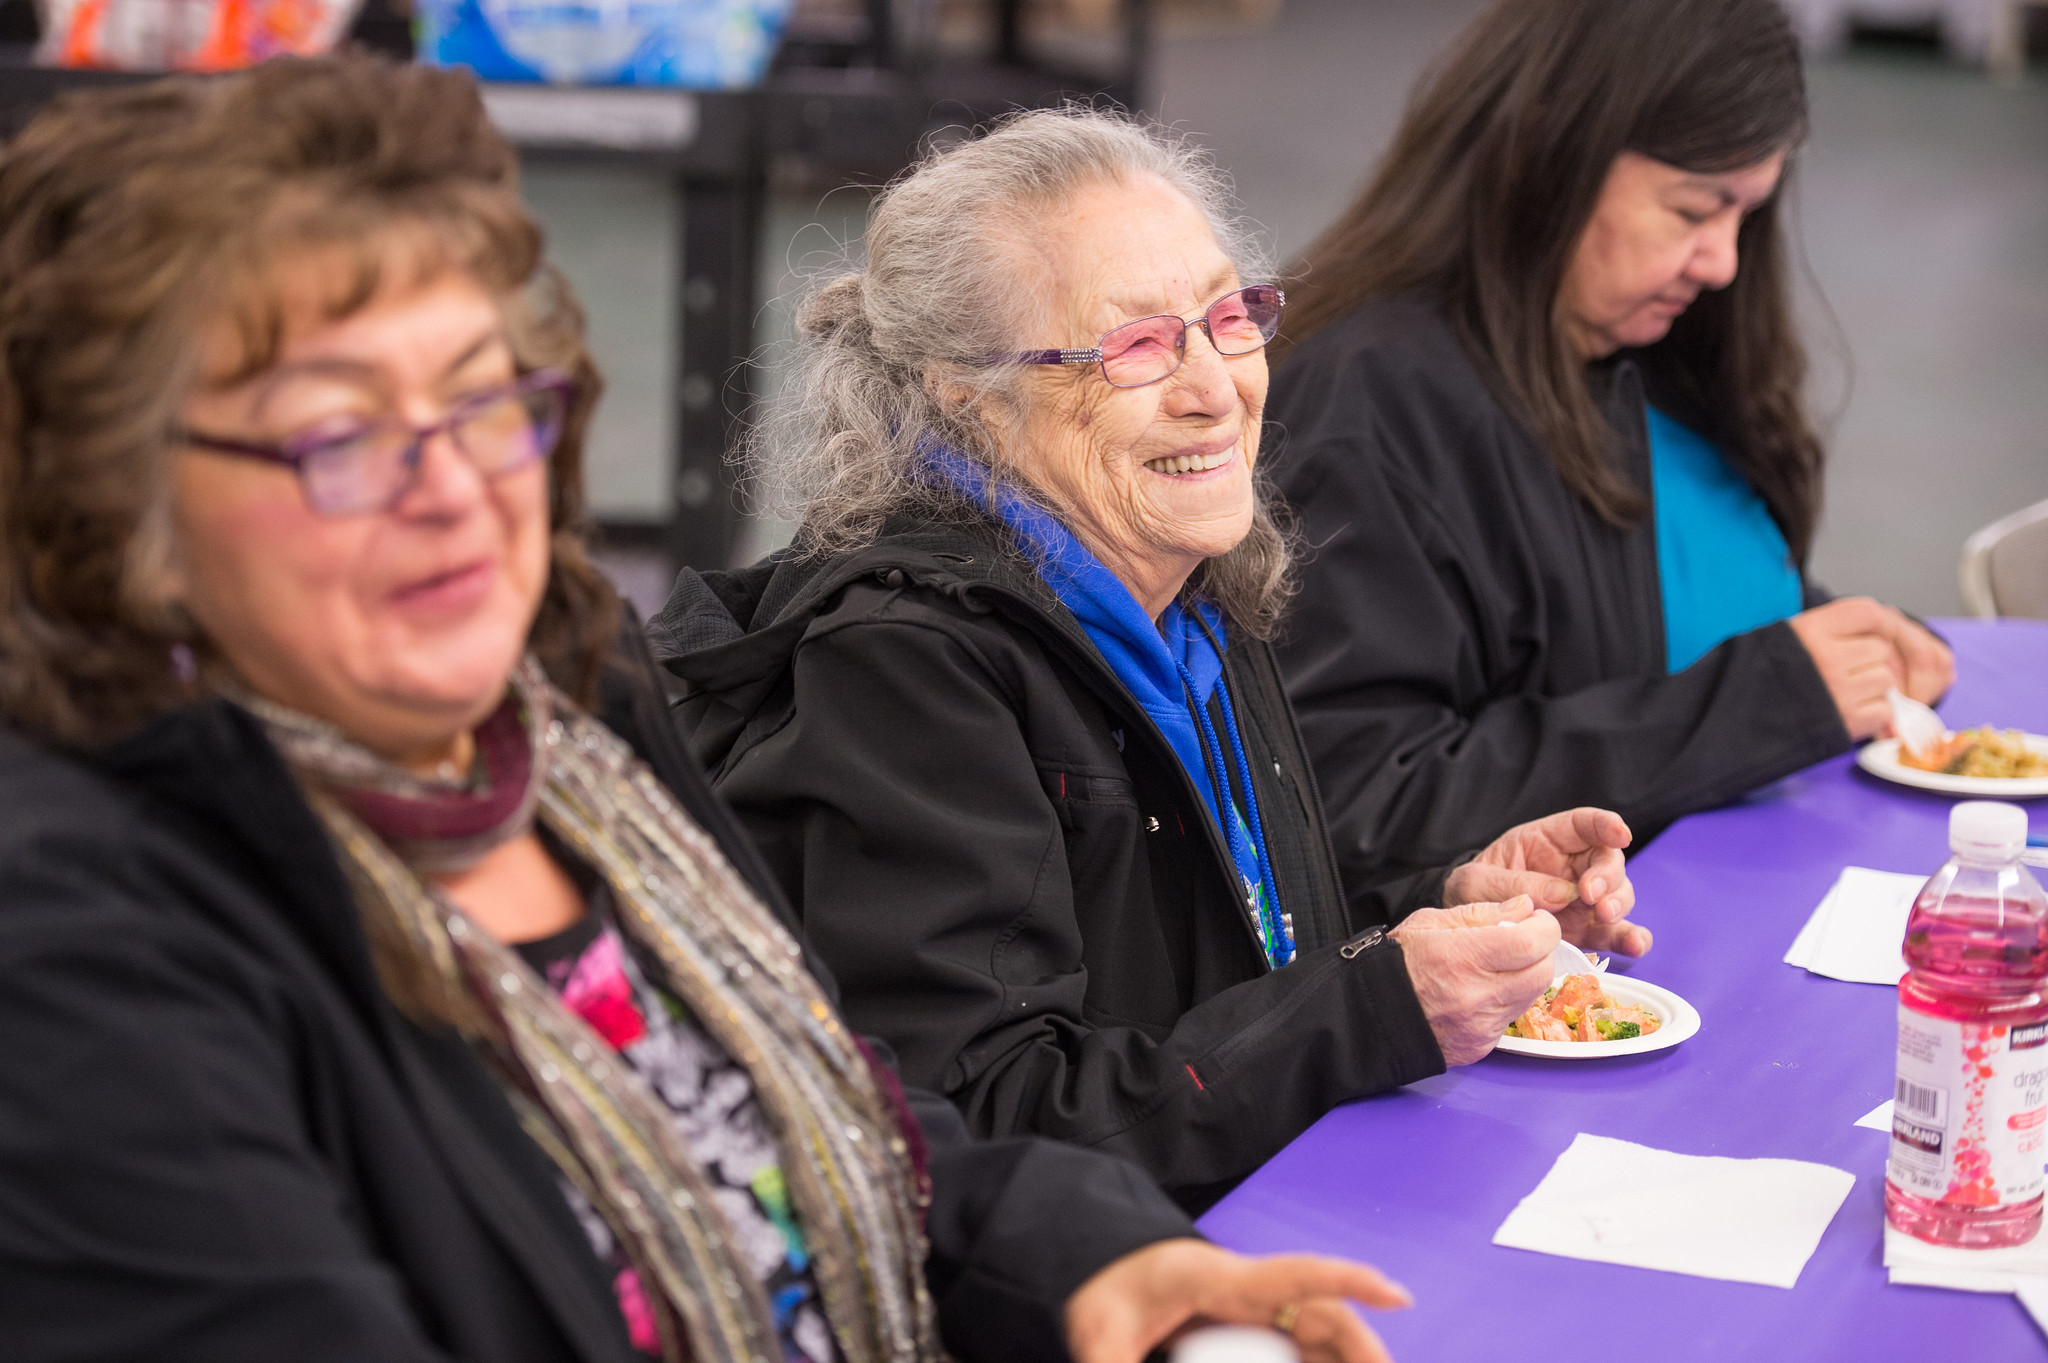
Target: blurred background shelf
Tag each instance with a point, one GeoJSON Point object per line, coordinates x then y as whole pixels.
{"type": "Point", "coordinates": [1921, 205]}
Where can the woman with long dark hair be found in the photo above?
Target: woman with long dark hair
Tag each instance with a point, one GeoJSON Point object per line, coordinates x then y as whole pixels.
{"type": "Point", "coordinates": [1543, 429]}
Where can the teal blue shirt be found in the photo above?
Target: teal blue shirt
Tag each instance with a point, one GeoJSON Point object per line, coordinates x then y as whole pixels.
{"type": "Point", "coordinates": [1722, 561]}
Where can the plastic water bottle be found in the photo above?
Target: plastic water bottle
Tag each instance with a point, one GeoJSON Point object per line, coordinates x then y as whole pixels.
{"type": "Point", "coordinates": [1970, 1110]}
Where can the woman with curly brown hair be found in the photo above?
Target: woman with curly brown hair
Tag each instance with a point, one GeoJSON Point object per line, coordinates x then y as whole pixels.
{"type": "Point", "coordinates": [381, 980]}
{"type": "Point", "coordinates": [1544, 431]}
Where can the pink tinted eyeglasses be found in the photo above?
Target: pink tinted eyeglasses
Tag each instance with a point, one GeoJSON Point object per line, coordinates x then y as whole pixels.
{"type": "Point", "coordinates": [1152, 348]}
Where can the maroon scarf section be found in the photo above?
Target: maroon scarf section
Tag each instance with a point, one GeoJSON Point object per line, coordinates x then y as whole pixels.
{"type": "Point", "coordinates": [454, 814]}
{"type": "Point", "coordinates": [906, 1121]}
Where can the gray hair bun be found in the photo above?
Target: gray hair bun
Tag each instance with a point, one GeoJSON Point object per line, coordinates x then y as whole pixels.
{"type": "Point", "coordinates": [837, 311]}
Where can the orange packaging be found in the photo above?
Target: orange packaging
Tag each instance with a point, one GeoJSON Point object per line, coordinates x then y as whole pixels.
{"type": "Point", "coordinates": [187, 35]}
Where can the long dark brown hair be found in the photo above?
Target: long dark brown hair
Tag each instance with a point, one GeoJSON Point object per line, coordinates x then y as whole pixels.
{"type": "Point", "coordinates": [1492, 178]}
{"type": "Point", "coordinates": [130, 221]}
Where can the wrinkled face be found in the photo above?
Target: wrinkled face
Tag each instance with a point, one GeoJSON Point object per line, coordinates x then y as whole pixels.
{"type": "Point", "coordinates": [399, 626]}
{"type": "Point", "coordinates": [1658, 238]}
{"type": "Point", "coordinates": [1153, 479]}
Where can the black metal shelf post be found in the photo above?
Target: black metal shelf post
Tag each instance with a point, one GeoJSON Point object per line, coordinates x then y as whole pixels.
{"type": "Point", "coordinates": [714, 388]}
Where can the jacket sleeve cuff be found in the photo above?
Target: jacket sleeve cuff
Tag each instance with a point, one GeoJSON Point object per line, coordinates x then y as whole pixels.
{"type": "Point", "coordinates": [1018, 1225]}
{"type": "Point", "coordinates": [1381, 970]}
{"type": "Point", "coordinates": [1808, 710]}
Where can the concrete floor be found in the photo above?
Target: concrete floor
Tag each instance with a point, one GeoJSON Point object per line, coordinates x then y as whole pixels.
{"type": "Point", "coordinates": [1922, 203]}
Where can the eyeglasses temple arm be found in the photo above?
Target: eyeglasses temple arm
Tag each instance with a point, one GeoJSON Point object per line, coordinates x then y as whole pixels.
{"type": "Point", "coordinates": [1090, 356]}
{"type": "Point", "coordinates": [269, 453]}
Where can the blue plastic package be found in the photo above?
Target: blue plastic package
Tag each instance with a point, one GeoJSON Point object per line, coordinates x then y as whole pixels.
{"type": "Point", "coordinates": [698, 44]}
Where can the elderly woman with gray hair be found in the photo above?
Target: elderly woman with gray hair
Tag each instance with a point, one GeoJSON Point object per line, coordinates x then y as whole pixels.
{"type": "Point", "coordinates": [1004, 719]}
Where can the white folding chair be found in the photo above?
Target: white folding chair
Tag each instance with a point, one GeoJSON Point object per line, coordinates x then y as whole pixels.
{"type": "Point", "coordinates": [2005, 566]}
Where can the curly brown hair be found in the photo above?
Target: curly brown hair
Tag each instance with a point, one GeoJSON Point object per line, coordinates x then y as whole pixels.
{"type": "Point", "coordinates": [132, 221]}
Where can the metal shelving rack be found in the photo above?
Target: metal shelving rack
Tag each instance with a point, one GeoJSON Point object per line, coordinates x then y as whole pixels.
{"type": "Point", "coordinates": [831, 111]}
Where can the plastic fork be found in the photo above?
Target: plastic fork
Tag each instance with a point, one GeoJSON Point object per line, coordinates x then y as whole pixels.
{"type": "Point", "coordinates": [1567, 959]}
{"type": "Point", "coordinates": [1918, 727]}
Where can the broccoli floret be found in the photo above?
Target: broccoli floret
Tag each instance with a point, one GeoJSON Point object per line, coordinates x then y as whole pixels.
{"type": "Point", "coordinates": [1611, 1030]}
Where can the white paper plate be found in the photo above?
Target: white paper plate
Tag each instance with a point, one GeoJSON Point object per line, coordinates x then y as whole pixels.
{"type": "Point", "coordinates": [1679, 1020]}
{"type": "Point", "coordinates": [1882, 759]}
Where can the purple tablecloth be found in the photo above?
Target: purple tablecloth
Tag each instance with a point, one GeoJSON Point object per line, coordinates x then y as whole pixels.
{"type": "Point", "coordinates": [1417, 1181]}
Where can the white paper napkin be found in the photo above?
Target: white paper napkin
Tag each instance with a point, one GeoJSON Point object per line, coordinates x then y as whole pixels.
{"type": "Point", "coordinates": [1748, 1221]}
{"type": "Point", "coordinates": [1800, 953]}
{"type": "Point", "coordinates": [1966, 1270]}
{"type": "Point", "coordinates": [2021, 1270]}
{"type": "Point", "coordinates": [2034, 1296]}
{"type": "Point", "coordinates": [1854, 933]}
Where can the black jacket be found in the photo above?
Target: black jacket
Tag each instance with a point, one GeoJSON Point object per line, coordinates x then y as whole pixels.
{"type": "Point", "coordinates": [1473, 645]}
{"type": "Point", "coordinates": [219, 1143]}
{"type": "Point", "coordinates": [1013, 878]}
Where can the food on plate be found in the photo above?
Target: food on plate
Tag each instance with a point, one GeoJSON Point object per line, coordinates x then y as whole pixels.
{"type": "Point", "coordinates": [1979, 752]}
{"type": "Point", "coordinates": [1578, 1009]}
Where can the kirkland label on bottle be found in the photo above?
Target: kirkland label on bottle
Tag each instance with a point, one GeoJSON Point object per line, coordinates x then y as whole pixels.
{"type": "Point", "coordinates": [1970, 1109]}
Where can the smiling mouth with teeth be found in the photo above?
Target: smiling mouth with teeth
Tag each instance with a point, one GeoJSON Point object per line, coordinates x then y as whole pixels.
{"type": "Point", "coordinates": [1191, 463]}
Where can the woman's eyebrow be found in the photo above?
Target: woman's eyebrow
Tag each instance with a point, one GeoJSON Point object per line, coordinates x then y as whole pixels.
{"type": "Point", "coordinates": [1723, 196]}
{"type": "Point", "coordinates": [494, 336]}
{"type": "Point", "coordinates": [362, 372]}
{"type": "Point", "coordinates": [278, 375]}
{"type": "Point", "coordinates": [1210, 289]}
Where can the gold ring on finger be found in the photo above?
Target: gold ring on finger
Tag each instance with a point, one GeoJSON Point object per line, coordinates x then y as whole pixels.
{"type": "Point", "coordinates": [1284, 1318]}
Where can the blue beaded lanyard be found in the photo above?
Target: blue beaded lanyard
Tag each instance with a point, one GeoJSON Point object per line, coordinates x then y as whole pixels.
{"type": "Point", "coordinates": [1273, 925]}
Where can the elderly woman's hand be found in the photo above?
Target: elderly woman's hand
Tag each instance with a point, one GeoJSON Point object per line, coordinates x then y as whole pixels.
{"type": "Point", "coordinates": [1475, 969]}
{"type": "Point", "coordinates": [1150, 1295]}
{"type": "Point", "coordinates": [1570, 865]}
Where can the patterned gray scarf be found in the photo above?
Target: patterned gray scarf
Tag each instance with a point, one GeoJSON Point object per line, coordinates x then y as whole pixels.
{"type": "Point", "coordinates": [724, 955]}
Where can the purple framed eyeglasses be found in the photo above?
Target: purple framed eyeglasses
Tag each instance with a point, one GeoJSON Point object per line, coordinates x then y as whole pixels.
{"type": "Point", "coordinates": [1152, 348]}
{"type": "Point", "coordinates": [369, 465]}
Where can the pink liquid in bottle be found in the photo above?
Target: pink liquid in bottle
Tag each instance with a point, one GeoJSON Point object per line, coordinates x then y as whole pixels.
{"type": "Point", "coordinates": [1970, 1110]}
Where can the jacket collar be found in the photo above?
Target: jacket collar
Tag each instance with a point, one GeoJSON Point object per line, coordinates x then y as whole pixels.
{"type": "Point", "coordinates": [722, 628]}
{"type": "Point", "coordinates": [730, 635]}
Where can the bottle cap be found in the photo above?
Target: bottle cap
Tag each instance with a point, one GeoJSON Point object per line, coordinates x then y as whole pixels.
{"type": "Point", "coordinates": [1235, 1344]}
{"type": "Point", "coordinates": [1987, 830]}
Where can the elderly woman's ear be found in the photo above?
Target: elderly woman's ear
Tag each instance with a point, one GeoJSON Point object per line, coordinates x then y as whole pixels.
{"type": "Point", "coordinates": [947, 385]}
